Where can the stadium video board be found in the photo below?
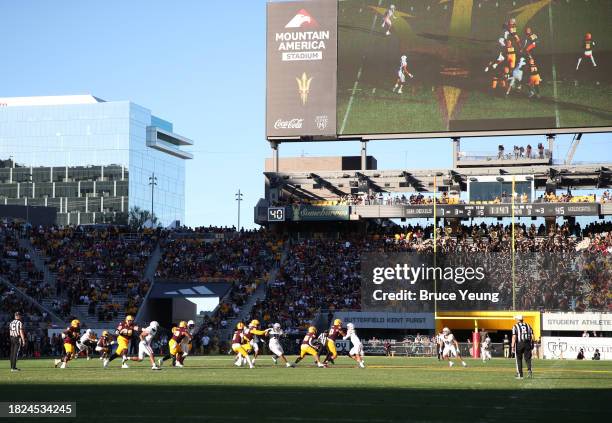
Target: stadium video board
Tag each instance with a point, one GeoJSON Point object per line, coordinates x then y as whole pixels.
{"type": "Point", "coordinates": [441, 68]}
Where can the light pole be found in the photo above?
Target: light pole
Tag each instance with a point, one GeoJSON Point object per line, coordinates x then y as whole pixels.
{"type": "Point", "coordinates": [153, 183]}
{"type": "Point", "coordinates": [239, 199]}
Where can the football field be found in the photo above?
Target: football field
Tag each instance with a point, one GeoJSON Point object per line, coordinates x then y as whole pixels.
{"type": "Point", "coordinates": [211, 389]}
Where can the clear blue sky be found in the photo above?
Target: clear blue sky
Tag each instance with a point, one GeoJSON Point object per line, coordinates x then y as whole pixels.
{"type": "Point", "coordinates": [201, 65]}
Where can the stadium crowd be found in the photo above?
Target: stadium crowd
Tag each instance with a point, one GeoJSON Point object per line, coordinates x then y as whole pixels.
{"type": "Point", "coordinates": [93, 264]}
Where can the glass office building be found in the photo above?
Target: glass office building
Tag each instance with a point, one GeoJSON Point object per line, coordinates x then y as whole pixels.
{"type": "Point", "coordinates": [93, 160]}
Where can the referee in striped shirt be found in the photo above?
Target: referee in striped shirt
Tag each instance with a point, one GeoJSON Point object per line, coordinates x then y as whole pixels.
{"type": "Point", "coordinates": [18, 339]}
{"type": "Point", "coordinates": [522, 344]}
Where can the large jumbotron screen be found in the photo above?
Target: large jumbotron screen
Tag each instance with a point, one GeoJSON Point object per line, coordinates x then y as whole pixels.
{"type": "Point", "coordinates": [432, 68]}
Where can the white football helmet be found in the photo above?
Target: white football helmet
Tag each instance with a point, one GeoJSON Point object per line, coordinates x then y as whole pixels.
{"type": "Point", "coordinates": [446, 331]}
{"type": "Point", "coordinates": [154, 324]}
{"type": "Point", "coordinates": [191, 324]}
{"type": "Point", "coordinates": [276, 326]}
{"type": "Point", "coordinates": [392, 7]}
{"type": "Point", "coordinates": [350, 326]}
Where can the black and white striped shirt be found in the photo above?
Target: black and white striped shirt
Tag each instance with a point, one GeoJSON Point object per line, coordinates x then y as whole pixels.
{"type": "Point", "coordinates": [523, 332]}
{"type": "Point", "coordinates": [15, 328]}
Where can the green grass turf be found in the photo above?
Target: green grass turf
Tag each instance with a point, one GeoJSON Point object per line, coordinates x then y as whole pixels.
{"type": "Point", "coordinates": [211, 389]}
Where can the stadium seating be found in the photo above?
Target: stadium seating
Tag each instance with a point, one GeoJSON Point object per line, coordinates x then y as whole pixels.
{"type": "Point", "coordinates": [98, 271]}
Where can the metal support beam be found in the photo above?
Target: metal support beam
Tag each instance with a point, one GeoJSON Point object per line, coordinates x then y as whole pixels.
{"type": "Point", "coordinates": [274, 146]}
{"type": "Point", "coordinates": [364, 155]}
{"type": "Point", "coordinates": [456, 150]}
{"type": "Point", "coordinates": [551, 144]}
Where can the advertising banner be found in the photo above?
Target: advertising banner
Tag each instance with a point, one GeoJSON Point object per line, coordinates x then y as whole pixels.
{"type": "Point", "coordinates": [598, 322]}
{"type": "Point", "coordinates": [301, 69]}
{"type": "Point", "coordinates": [568, 347]}
{"type": "Point", "coordinates": [384, 320]}
{"type": "Point", "coordinates": [314, 213]}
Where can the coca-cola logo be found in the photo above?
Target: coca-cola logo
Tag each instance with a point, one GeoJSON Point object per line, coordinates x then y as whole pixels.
{"type": "Point", "coordinates": [289, 124]}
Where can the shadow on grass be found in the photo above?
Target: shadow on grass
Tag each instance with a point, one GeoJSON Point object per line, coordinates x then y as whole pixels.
{"type": "Point", "coordinates": [311, 403]}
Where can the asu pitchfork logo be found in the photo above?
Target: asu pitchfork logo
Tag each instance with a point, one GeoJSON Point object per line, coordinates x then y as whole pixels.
{"type": "Point", "coordinates": [304, 87]}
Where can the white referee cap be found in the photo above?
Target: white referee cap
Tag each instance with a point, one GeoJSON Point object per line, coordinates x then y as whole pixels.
{"type": "Point", "coordinates": [518, 317]}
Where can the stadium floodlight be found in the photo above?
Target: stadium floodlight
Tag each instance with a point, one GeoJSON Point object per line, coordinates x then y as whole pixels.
{"type": "Point", "coordinates": [500, 179]}
{"type": "Point", "coordinates": [529, 178]}
{"type": "Point", "coordinates": [473, 179]}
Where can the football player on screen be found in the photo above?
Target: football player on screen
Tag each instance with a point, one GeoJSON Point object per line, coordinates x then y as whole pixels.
{"type": "Point", "coordinates": [388, 19]}
{"type": "Point", "coordinates": [589, 43]}
{"type": "Point", "coordinates": [534, 79]}
{"type": "Point", "coordinates": [402, 73]}
{"type": "Point", "coordinates": [530, 42]}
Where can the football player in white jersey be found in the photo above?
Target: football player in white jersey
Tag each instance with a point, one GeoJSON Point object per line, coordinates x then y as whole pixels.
{"type": "Point", "coordinates": [387, 19]}
{"type": "Point", "coordinates": [87, 342]}
{"type": "Point", "coordinates": [275, 346]}
{"type": "Point", "coordinates": [356, 351]}
{"type": "Point", "coordinates": [186, 344]}
{"type": "Point", "coordinates": [402, 73]}
{"type": "Point", "coordinates": [485, 349]}
{"type": "Point", "coordinates": [451, 348]}
{"type": "Point", "coordinates": [145, 345]}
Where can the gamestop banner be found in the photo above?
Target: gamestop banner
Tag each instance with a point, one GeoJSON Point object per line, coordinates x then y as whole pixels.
{"type": "Point", "coordinates": [568, 347]}
{"type": "Point", "coordinates": [301, 69]}
{"type": "Point", "coordinates": [598, 322]}
{"type": "Point", "coordinates": [382, 320]}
